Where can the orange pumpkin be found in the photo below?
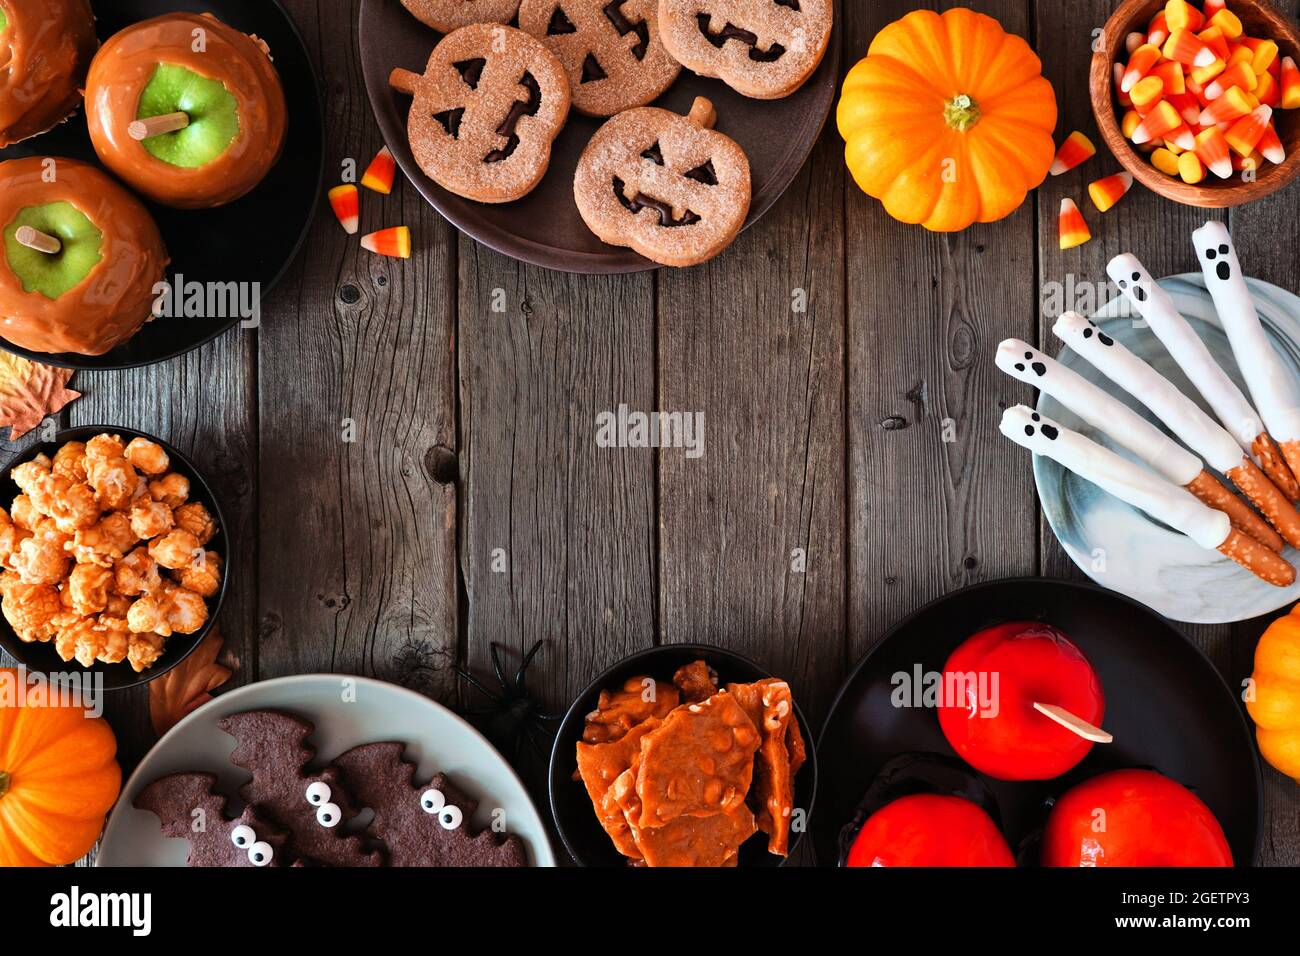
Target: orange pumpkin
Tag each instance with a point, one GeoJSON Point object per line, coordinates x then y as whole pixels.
{"type": "Point", "coordinates": [948, 120]}
{"type": "Point", "coordinates": [58, 776]}
{"type": "Point", "coordinates": [1275, 703]}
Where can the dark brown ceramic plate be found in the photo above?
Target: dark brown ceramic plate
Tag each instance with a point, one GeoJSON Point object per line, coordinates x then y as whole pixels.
{"type": "Point", "coordinates": [544, 227]}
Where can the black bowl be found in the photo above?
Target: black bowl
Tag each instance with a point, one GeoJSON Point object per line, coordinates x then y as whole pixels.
{"type": "Point", "coordinates": [40, 657]}
{"type": "Point", "coordinates": [575, 819]}
{"type": "Point", "coordinates": [1166, 704]}
{"type": "Point", "coordinates": [254, 239]}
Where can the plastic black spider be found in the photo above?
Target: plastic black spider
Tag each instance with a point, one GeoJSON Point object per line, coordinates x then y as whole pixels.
{"type": "Point", "coordinates": [513, 717]}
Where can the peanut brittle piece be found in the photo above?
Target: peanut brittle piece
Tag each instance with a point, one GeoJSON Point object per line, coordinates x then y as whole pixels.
{"type": "Point", "coordinates": [771, 707]}
{"type": "Point", "coordinates": [599, 766]}
{"type": "Point", "coordinates": [699, 762]}
{"type": "Point", "coordinates": [618, 711]}
{"type": "Point", "coordinates": [697, 681]}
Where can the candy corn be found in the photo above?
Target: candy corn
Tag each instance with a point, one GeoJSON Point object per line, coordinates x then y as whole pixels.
{"type": "Point", "coordinates": [1166, 161]}
{"type": "Point", "coordinates": [1074, 231]}
{"type": "Point", "coordinates": [1188, 106]}
{"type": "Point", "coordinates": [1148, 92]}
{"type": "Point", "coordinates": [395, 242]}
{"type": "Point", "coordinates": [1267, 91]}
{"type": "Point", "coordinates": [381, 172]}
{"type": "Point", "coordinates": [1271, 146]}
{"type": "Point", "coordinates": [1161, 120]}
{"type": "Point", "coordinates": [1158, 31]}
{"type": "Point", "coordinates": [1076, 149]}
{"type": "Point", "coordinates": [1228, 22]}
{"type": "Point", "coordinates": [1190, 168]}
{"type": "Point", "coordinates": [1240, 76]}
{"type": "Point", "coordinates": [1110, 190]}
{"type": "Point", "coordinates": [1124, 99]}
{"type": "Point", "coordinates": [1139, 65]}
{"type": "Point", "coordinates": [1290, 84]}
{"type": "Point", "coordinates": [1246, 133]}
{"type": "Point", "coordinates": [1171, 74]}
{"type": "Point", "coordinates": [1211, 7]}
{"type": "Point", "coordinates": [1188, 49]}
{"type": "Point", "coordinates": [1132, 119]}
{"type": "Point", "coordinates": [346, 202]}
{"type": "Point", "coordinates": [1212, 150]}
{"type": "Point", "coordinates": [1226, 109]}
{"type": "Point", "coordinates": [1133, 41]}
{"type": "Point", "coordinates": [1216, 41]}
{"type": "Point", "coordinates": [1263, 54]}
{"type": "Point", "coordinates": [1181, 15]}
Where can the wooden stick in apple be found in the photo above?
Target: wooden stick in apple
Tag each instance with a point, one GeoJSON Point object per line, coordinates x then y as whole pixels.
{"type": "Point", "coordinates": [37, 240]}
{"type": "Point", "coordinates": [1130, 430]}
{"type": "Point", "coordinates": [142, 129]}
{"type": "Point", "coordinates": [1145, 490]}
{"type": "Point", "coordinates": [1184, 418]}
{"type": "Point", "coordinates": [1076, 725]}
{"type": "Point", "coordinates": [1274, 389]}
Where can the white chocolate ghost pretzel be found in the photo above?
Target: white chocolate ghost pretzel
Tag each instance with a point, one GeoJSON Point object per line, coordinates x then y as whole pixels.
{"type": "Point", "coordinates": [1274, 389]}
{"type": "Point", "coordinates": [1145, 490]}
{"type": "Point", "coordinates": [1130, 430]}
{"type": "Point", "coordinates": [1183, 417]}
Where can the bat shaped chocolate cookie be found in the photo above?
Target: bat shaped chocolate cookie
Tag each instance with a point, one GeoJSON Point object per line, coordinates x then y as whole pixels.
{"type": "Point", "coordinates": [189, 808]}
{"type": "Point", "coordinates": [425, 825]}
{"type": "Point", "coordinates": [272, 746]}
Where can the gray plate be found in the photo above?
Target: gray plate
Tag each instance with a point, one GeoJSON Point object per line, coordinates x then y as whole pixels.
{"type": "Point", "coordinates": [1120, 547]}
{"type": "Point", "coordinates": [435, 738]}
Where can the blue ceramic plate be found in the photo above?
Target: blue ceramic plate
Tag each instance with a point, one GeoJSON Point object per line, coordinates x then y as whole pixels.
{"type": "Point", "coordinates": [1120, 547]}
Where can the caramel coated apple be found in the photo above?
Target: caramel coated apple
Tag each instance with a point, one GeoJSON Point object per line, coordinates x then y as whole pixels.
{"type": "Point", "coordinates": [45, 49]}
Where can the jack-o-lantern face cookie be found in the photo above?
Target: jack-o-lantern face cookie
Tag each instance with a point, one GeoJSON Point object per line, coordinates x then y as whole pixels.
{"type": "Point", "coordinates": [764, 49]}
{"type": "Point", "coordinates": [447, 15]}
{"type": "Point", "coordinates": [610, 49]}
{"type": "Point", "coordinates": [489, 105]}
{"type": "Point", "coordinates": [668, 186]}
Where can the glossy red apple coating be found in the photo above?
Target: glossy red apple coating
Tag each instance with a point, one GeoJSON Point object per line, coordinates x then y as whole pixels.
{"type": "Point", "coordinates": [44, 54]}
{"type": "Point", "coordinates": [1032, 662]}
{"type": "Point", "coordinates": [930, 830]}
{"type": "Point", "coordinates": [117, 297]}
{"type": "Point", "coordinates": [1133, 818]}
{"type": "Point", "coordinates": [124, 67]}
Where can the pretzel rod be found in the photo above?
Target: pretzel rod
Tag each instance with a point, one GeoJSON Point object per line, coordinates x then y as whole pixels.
{"type": "Point", "coordinates": [1144, 490]}
{"type": "Point", "coordinates": [1212, 491]}
{"type": "Point", "coordinates": [1271, 386]}
{"type": "Point", "coordinates": [1156, 306]}
{"type": "Point", "coordinates": [1183, 417]}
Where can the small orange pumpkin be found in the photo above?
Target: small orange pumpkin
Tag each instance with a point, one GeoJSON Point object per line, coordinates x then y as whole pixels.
{"type": "Point", "coordinates": [1275, 704]}
{"type": "Point", "coordinates": [58, 776]}
{"type": "Point", "coordinates": [948, 120]}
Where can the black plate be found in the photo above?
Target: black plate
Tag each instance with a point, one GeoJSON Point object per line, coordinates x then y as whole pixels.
{"type": "Point", "coordinates": [251, 240]}
{"type": "Point", "coordinates": [41, 658]}
{"type": "Point", "coordinates": [575, 819]}
{"type": "Point", "coordinates": [544, 227]}
{"type": "Point", "coordinates": [1167, 706]}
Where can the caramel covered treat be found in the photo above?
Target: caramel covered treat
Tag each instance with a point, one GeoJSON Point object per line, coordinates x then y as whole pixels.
{"type": "Point", "coordinates": [80, 260]}
{"type": "Point", "coordinates": [102, 553]}
{"type": "Point", "coordinates": [186, 110]}
{"type": "Point", "coordinates": [682, 774]}
{"type": "Point", "coordinates": [45, 50]}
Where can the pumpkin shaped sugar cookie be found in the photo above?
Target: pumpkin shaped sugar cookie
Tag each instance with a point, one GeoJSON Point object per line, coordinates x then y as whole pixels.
{"type": "Point", "coordinates": [667, 186]}
{"type": "Point", "coordinates": [611, 50]}
{"type": "Point", "coordinates": [486, 111]}
{"type": "Point", "coordinates": [447, 15]}
{"type": "Point", "coordinates": [764, 49]}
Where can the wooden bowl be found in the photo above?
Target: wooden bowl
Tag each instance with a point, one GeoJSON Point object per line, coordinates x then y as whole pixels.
{"type": "Point", "coordinates": [1261, 19]}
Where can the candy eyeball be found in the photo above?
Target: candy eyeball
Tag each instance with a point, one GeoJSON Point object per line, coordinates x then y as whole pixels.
{"type": "Point", "coordinates": [329, 815]}
{"type": "Point", "coordinates": [243, 836]}
{"type": "Point", "coordinates": [450, 817]}
{"type": "Point", "coordinates": [260, 853]}
{"type": "Point", "coordinates": [432, 801]}
{"type": "Point", "coordinates": [319, 793]}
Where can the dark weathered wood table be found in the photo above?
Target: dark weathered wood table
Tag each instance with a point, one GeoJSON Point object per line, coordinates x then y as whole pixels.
{"type": "Point", "coordinates": [476, 431]}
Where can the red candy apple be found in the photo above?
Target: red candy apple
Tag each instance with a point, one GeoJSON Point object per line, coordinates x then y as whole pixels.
{"type": "Point", "coordinates": [930, 830]}
{"type": "Point", "coordinates": [991, 683]}
{"type": "Point", "coordinates": [1133, 818]}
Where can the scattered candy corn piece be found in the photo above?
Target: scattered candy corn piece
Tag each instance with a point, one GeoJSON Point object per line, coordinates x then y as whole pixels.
{"type": "Point", "coordinates": [1188, 49]}
{"type": "Point", "coordinates": [1246, 133]}
{"type": "Point", "coordinates": [1144, 58]}
{"type": "Point", "coordinates": [1181, 15]}
{"type": "Point", "coordinates": [1110, 190]}
{"type": "Point", "coordinates": [1290, 84]}
{"type": "Point", "coordinates": [1149, 91]}
{"type": "Point", "coordinates": [1190, 168]}
{"type": "Point", "coordinates": [1076, 149]}
{"type": "Point", "coordinates": [381, 172]}
{"type": "Point", "coordinates": [1212, 150]}
{"type": "Point", "coordinates": [1165, 161]}
{"type": "Point", "coordinates": [346, 202]}
{"type": "Point", "coordinates": [395, 242]}
{"type": "Point", "coordinates": [1240, 76]}
{"type": "Point", "coordinates": [1270, 145]}
{"type": "Point", "coordinates": [1231, 106]}
{"type": "Point", "coordinates": [1074, 231]}
{"type": "Point", "coordinates": [1162, 120]}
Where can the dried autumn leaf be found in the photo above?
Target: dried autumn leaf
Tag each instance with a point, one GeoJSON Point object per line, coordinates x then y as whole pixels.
{"type": "Point", "coordinates": [187, 685]}
{"type": "Point", "coordinates": [29, 391]}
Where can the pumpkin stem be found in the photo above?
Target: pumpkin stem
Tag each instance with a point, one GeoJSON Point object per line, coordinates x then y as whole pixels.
{"type": "Point", "coordinates": [4, 782]}
{"type": "Point", "coordinates": [961, 113]}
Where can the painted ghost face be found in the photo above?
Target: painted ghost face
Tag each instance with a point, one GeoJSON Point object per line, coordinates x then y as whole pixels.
{"type": "Point", "coordinates": [1214, 247]}
{"type": "Point", "coordinates": [1131, 277]}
